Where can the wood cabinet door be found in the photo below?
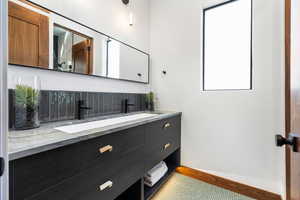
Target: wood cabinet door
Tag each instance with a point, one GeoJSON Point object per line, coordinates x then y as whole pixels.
{"type": "Point", "coordinates": [28, 37]}
{"type": "Point", "coordinates": [82, 57]}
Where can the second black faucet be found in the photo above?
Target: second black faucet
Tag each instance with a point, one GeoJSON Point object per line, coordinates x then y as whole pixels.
{"type": "Point", "coordinates": [126, 105]}
{"type": "Point", "coordinates": [80, 108]}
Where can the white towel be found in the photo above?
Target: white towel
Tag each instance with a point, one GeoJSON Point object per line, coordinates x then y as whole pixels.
{"type": "Point", "coordinates": [156, 170]}
{"type": "Point", "coordinates": [155, 174]}
{"type": "Point", "coordinates": [152, 182]}
{"type": "Point", "coordinates": [160, 173]}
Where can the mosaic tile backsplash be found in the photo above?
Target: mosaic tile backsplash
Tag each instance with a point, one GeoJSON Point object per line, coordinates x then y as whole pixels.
{"type": "Point", "coordinates": [61, 105]}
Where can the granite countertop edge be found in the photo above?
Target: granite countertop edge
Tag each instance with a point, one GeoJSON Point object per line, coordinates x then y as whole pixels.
{"type": "Point", "coordinates": [18, 154]}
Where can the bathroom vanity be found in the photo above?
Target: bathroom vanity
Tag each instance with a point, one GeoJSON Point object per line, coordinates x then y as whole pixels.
{"type": "Point", "coordinates": [88, 147]}
{"type": "Point", "coordinates": [105, 162]}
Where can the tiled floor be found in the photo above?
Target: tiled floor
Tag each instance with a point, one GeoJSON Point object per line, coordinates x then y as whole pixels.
{"type": "Point", "coordinates": [180, 187]}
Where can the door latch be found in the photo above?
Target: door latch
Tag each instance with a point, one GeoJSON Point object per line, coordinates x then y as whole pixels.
{"type": "Point", "coordinates": [291, 141]}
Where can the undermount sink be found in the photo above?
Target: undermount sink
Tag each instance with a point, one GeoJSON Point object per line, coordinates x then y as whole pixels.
{"type": "Point", "coordinates": [102, 123]}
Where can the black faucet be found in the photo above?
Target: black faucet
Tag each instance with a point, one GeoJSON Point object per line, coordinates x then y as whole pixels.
{"type": "Point", "coordinates": [126, 105]}
{"type": "Point", "coordinates": [80, 108]}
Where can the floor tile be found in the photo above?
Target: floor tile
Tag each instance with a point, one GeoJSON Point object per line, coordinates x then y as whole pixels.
{"type": "Point", "coordinates": [181, 187]}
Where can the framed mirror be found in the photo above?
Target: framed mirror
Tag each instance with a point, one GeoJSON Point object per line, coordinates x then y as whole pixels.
{"type": "Point", "coordinates": [53, 42]}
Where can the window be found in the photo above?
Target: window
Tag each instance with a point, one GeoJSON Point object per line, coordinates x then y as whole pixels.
{"type": "Point", "coordinates": [227, 46]}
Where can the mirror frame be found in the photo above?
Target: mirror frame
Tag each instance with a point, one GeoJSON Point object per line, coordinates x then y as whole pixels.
{"type": "Point", "coordinates": [92, 29]}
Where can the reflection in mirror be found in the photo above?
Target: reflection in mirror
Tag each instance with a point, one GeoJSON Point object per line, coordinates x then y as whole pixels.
{"type": "Point", "coordinates": [113, 59]}
{"type": "Point", "coordinates": [73, 48]}
{"type": "Point", "coordinates": [28, 37]}
{"type": "Point", "coordinates": [72, 52]}
{"type": "Point", "coordinates": [100, 55]}
{"type": "Point", "coordinates": [127, 63]}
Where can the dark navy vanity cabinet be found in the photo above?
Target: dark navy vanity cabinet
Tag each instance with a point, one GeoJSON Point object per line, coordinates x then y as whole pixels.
{"type": "Point", "coordinates": [103, 168]}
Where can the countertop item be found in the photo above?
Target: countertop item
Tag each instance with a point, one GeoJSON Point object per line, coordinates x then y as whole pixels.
{"type": "Point", "coordinates": [30, 142]}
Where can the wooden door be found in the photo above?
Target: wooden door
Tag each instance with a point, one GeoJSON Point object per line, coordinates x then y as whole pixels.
{"type": "Point", "coordinates": [293, 99]}
{"type": "Point", "coordinates": [28, 37]}
{"type": "Point", "coordinates": [81, 53]}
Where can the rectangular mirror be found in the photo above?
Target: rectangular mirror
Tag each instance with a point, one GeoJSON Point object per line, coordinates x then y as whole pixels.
{"type": "Point", "coordinates": [53, 42]}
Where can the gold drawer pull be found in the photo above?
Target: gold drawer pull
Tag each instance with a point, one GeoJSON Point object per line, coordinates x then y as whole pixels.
{"type": "Point", "coordinates": [167, 125]}
{"type": "Point", "coordinates": [106, 185]}
{"type": "Point", "coordinates": [105, 149]}
{"type": "Point", "coordinates": [167, 146]}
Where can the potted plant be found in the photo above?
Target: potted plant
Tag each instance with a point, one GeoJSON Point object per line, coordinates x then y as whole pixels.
{"type": "Point", "coordinates": [150, 101]}
{"type": "Point", "coordinates": [26, 103]}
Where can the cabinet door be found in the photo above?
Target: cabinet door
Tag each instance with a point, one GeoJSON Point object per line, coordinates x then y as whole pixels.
{"type": "Point", "coordinates": [28, 37]}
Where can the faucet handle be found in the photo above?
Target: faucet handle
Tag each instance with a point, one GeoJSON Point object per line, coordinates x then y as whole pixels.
{"type": "Point", "coordinates": [80, 102]}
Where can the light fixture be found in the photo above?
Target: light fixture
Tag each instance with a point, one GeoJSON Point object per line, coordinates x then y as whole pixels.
{"type": "Point", "coordinates": [126, 2]}
{"type": "Point", "coordinates": [130, 19]}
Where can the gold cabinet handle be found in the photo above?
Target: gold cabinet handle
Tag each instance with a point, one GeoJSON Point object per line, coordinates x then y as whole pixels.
{"type": "Point", "coordinates": [106, 185]}
{"type": "Point", "coordinates": [167, 125]}
{"type": "Point", "coordinates": [167, 146]}
{"type": "Point", "coordinates": [105, 149]}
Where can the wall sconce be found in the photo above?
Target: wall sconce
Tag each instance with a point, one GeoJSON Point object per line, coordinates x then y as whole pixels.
{"type": "Point", "coordinates": [126, 2]}
{"type": "Point", "coordinates": [130, 19]}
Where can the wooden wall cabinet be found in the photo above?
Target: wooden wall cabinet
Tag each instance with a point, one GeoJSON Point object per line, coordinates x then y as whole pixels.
{"type": "Point", "coordinates": [28, 37]}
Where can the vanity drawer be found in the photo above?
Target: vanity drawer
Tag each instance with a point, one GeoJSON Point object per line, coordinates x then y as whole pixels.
{"type": "Point", "coordinates": [159, 132]}
{"type": "Point", "coordinates": [98, 183]}
{"type": "Point", "coordinates": [36, 173]}
{"type": "Point", "coordinates": [161, 152]}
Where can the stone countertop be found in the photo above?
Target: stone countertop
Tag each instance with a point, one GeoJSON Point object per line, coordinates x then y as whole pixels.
{"type": "Point", "coordinates": [30, 142]}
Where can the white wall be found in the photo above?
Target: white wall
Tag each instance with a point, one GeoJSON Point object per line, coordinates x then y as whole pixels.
{"type": "Point", "coordinates": [227, 133]}
{"type": "Point", "coordinates": [110, 17]}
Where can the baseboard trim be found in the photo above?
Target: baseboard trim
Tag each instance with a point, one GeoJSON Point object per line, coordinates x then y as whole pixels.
{"type": "Point", "coordinates": [228, 184]}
